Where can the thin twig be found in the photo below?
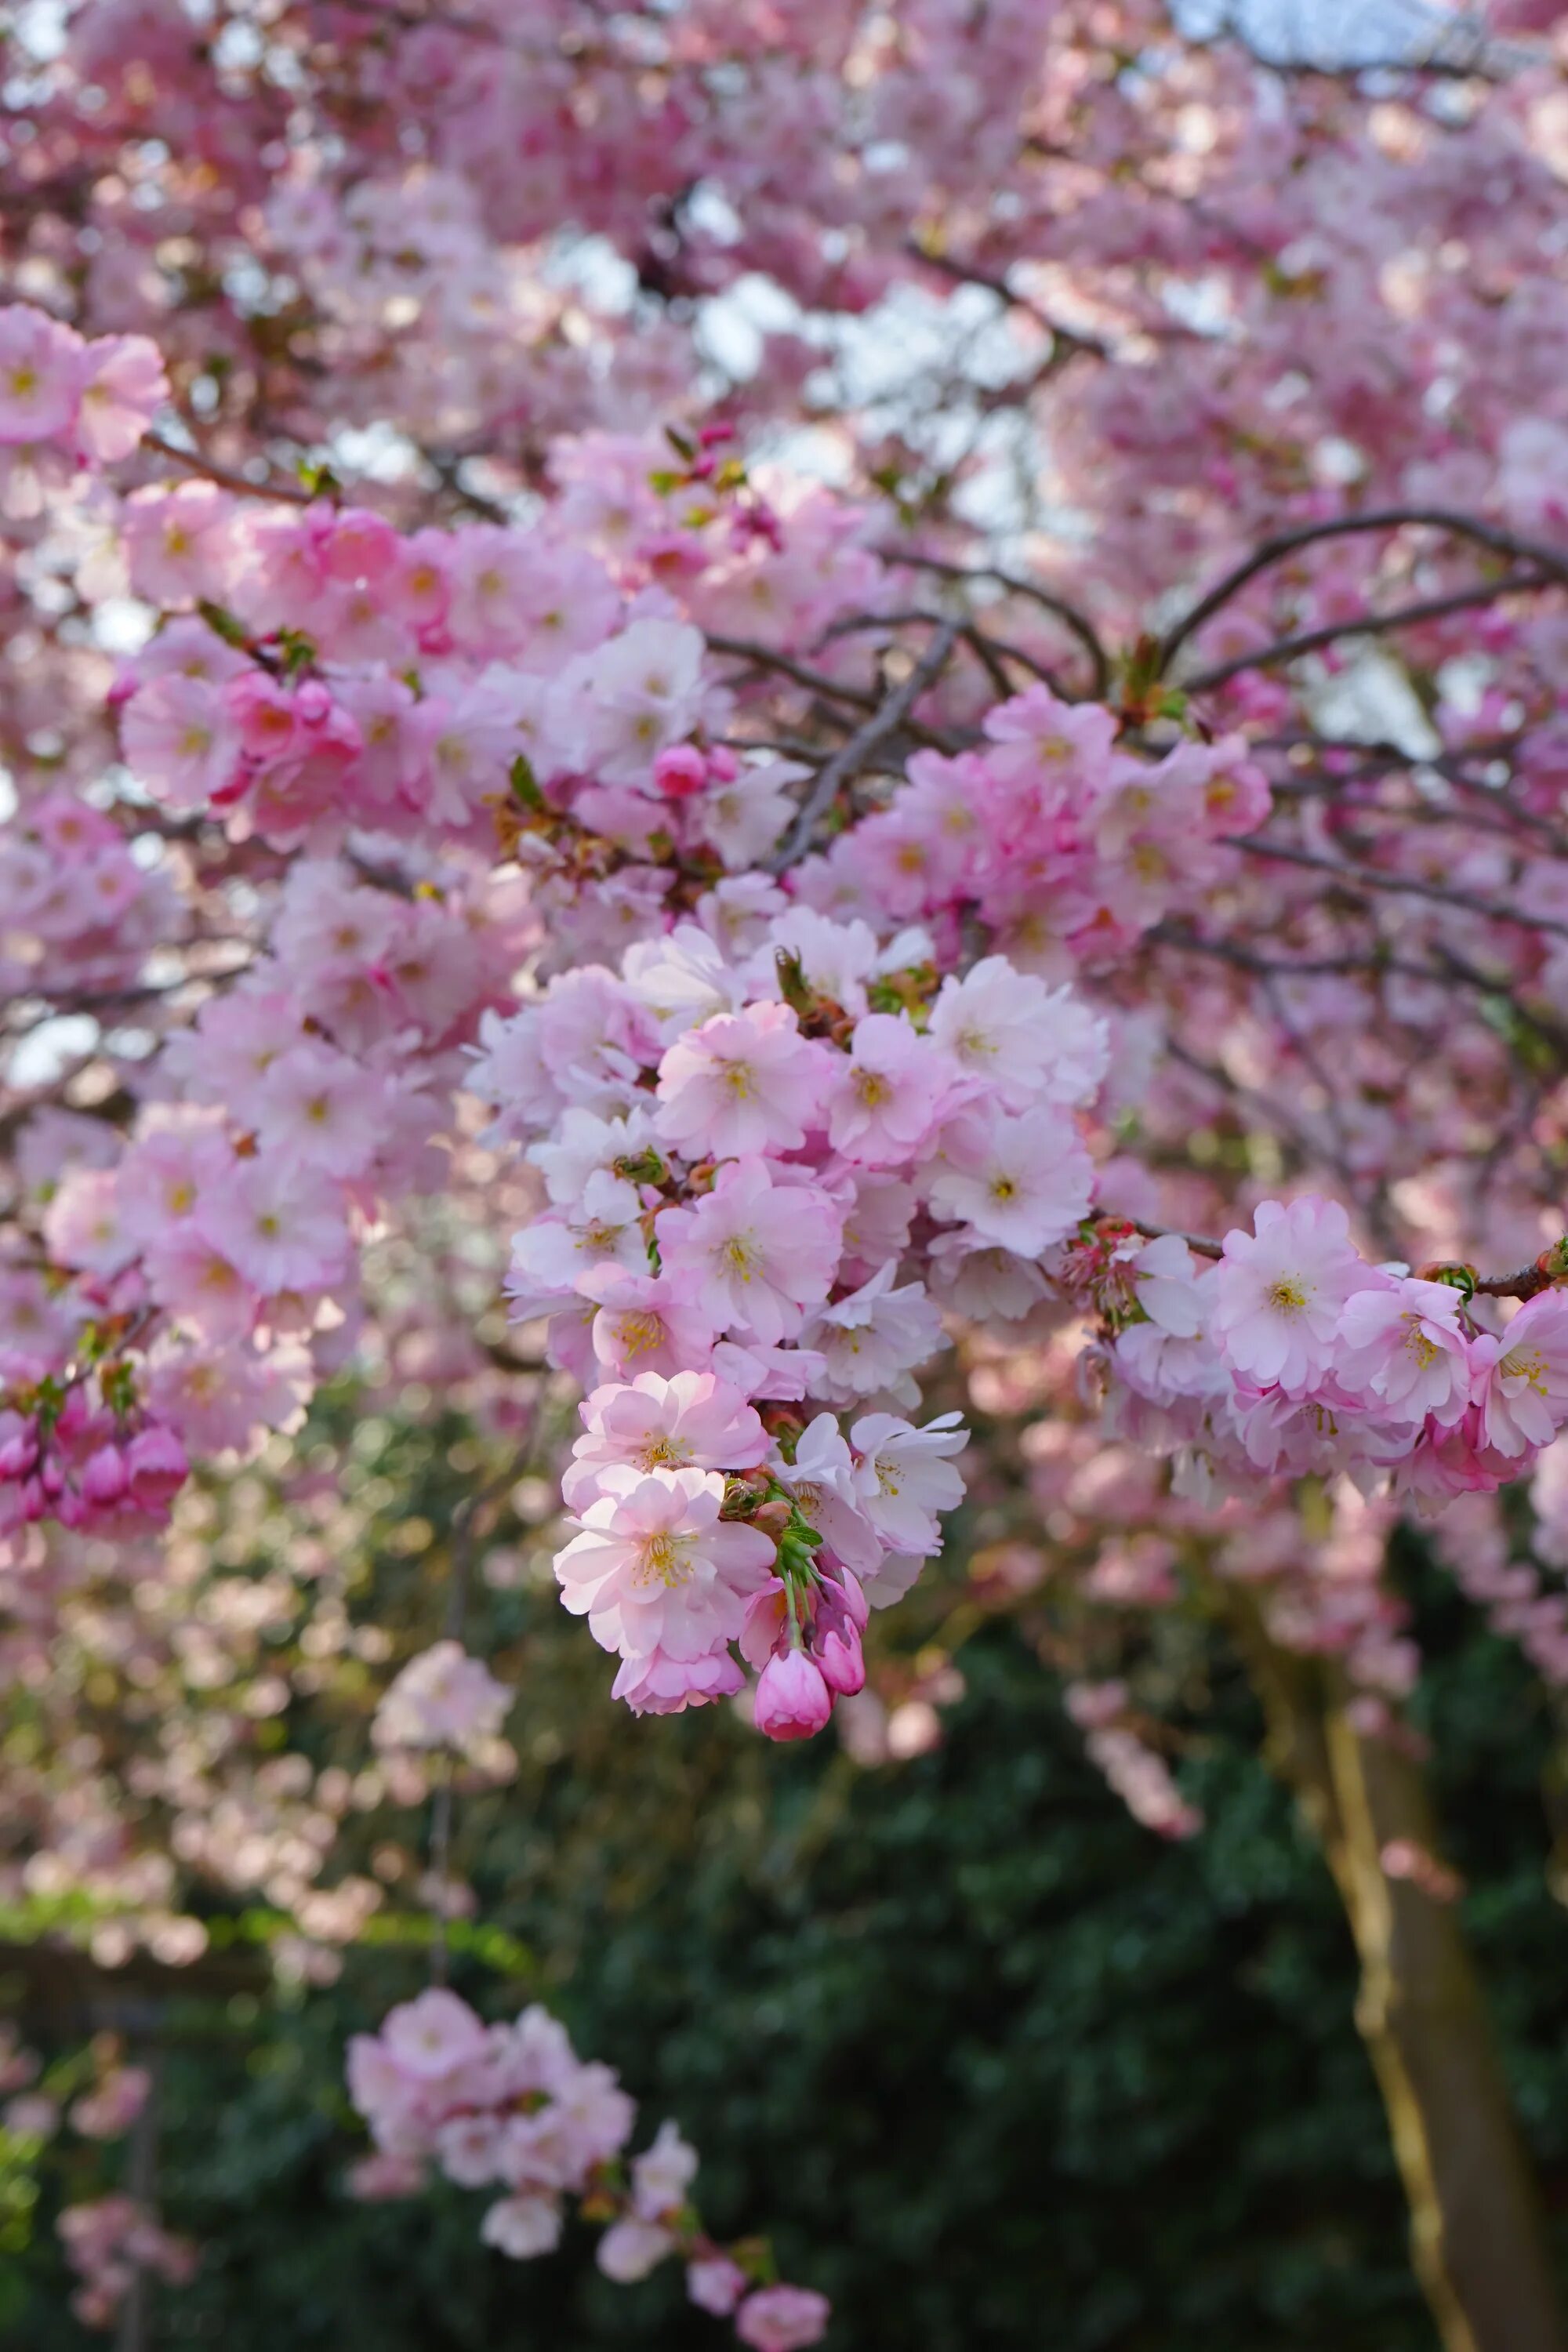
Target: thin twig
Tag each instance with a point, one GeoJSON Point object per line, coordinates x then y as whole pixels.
{"type": "Point", "coordinates": [1373, 625]}
{"type": "Point", "coordinates": [884, 721]}
{"type": "Point", "coordinates": [1549, 559]}
{"type": "Point", "coordinates": [292, 493]}
{"type": "Point", "coordinates": [1082, 627]}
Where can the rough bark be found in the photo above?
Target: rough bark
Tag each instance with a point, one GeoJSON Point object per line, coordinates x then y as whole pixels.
{"type": "Point", "coordinates": [1478, 2239]}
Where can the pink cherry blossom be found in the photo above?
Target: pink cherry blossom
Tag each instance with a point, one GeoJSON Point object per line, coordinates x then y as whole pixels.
{"type": "Point", "coordinates": [741, 1083]}
{"type": "Point", "coordinates": [653, 1568]}
{"type": "Point", "coordinates": [781, 2319]}
{"type": "Point", "coordinates": [756, 1254]}
{"type": "Point", "coordinates": [1279, 1292]}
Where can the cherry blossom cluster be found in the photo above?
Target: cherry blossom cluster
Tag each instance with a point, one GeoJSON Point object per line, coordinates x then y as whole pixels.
{"type": "Point", "coordinates": [514, 2108]}
{"type": "Point", "coordinates": [76, 899]}
{"type": "Point", "coordinates": [767, 1172]}
{"type": "Point", "coordinates": [1138, 1772]}
{"type": "Point", "coordinates": [108, 2242]}
{"type": "Point", "coordinates": [343, 673]}
{"type": "Point", "coordinates": [1291, 1355]}
{"type": "Point", "coordinates": [1067, 846]}
{"type": "Point", "coordinates": [208, 1259]}
{"type": "Point", "coordinates": [68, 402]}
{"type": "Point", "coordinates": [443, 1701]}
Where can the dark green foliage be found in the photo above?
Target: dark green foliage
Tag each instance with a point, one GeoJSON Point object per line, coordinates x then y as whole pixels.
{"type": "Point", "coordinates": [998, 2069]}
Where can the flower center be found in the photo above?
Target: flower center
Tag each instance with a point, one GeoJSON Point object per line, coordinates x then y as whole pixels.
{"type": "Point", "coordinates": [1526, 1364]}
{"type": "Point", "coordinates": [665, 1559]}
{"type": "Point", "coordinates": [740, 1256]}
{"type": "Point", "coordinates": [738, 1078]}
{"type": "Point", "coordinates": [1288, 1296]}
{"type": "Point", "coordinates": [872, 1088]}
{"type": "Point", "coordinates": [638, 1333]}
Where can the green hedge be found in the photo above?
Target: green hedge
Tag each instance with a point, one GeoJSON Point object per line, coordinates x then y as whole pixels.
{"type": "Point", "coordinates": [997, 2067]}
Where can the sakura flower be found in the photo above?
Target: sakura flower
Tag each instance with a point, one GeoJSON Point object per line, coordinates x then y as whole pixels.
{"type": "Point", "coordinates": [124, 385]}
{"type": "Point", "coordinates": [884, 1104]}
{"type": "Point", "coordinates": [522, 2227]}
{"type": "Point", "coordinates": [978, 1280]}
{"type": "Point", "coordinates": [661, 1684]}
{"type": "Point", "coordinates": [641, 691]}
{"type": "Point", "coordinates": [1058, 734]}
{"type": "Point", "coordinates": [645, 1323]}
{"type": "Point", "coordinates": [692, 1421]}
{"type": "Point", "coordinates": [662, 2174]}
{"type": "Point", "coordinates": [741, 1083]}
{"type": "Point", "coordinates": [42, 365]}
{"type": "Point", "coordinates": [550, 1256]}
{"type": "Point", "coordinates": [165, 1173]}
{"type": "Point", "coordinates": [584, 1143]}
{"type": "Point", "coordinates": [281, 1224]}
{"type": "Point", "coordinates": [82, 1224]}
{"type": "Point", "coordinates": [1523, 1378]}
{"type": "Point", "coordinates": [631, 2248]}
{"type": "Point", "coordinates": [821, 1479]}
{"type": "Point", "coordinates": [179, 739]}
{"type": "Point", "coordinates": [1168, 1287]}
{"type": "Point", "coordinates": [470, 2149]}
{"type": "Point", "coordinates": [835, 959]}
{"type": "Point", "coordinates": [904, 1476]}
{"type": "Point", "coordinates": [682, 980]}
{"type": "Point", "coordinates": [199, 1284]}
{"type": "Point", "coordinates": [1019, 1183]}
{"type": "Point", "coordinates": [715, 2283]}
{"type": "Point", "coordinates": [178, 543]}
{"type": "Point", "coordinates": [1027, 1043]}
{"type": "Point", "coordinates": [432, 2035]}
{"type": "Point", "coordinates": [754, 1254]}
{"type": "Point", "coordinates": [1402, 1345]}
{"type": "Point", "coordinates": [321, 1109]}
{"type": "Point", "coordinates": [653, 1567]}
{"type": "Point", "coordinates": [1279, 1290]}
{"type": "Point", "coordinates": [744, 815]}
{"type": "Point", "coordinates": [872, 1339]}
{"type": "Point", "coordinates": [442, 1698]}
{"type": "Point", "coordinates": [782, 2319]}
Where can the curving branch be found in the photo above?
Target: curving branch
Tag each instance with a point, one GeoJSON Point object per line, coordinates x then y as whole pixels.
{"type": "Point", "coordinates": [885, 721]}
{"type": "Point", "coordinates": [1081, 626]}
{"type": "Point", "coordinates": [1551, 561]}
{"type": "Point", "coordinates": [1373, 625]}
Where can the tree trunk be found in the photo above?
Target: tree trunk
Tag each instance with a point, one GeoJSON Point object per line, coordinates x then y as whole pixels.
{"type": "Point", "coordinates": [1476, 2235]}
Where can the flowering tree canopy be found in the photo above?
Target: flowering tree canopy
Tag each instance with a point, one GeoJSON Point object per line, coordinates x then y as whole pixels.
{"type": "Point", "coordinates": [759, 735]}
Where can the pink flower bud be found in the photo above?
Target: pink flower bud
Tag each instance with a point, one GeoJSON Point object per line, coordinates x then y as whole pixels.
{"type": "Point", "coordinates": [155, 1466]}
{"type": "Point", "coordinates": [842, 1661]}
{"type": "Point", "coordinates": [103, 1476]}
{"type": "Point", "coordinates": [715, 2283]}
{"type": "Point", "coordinates": [18, 1454]}
{"type": "Point", "coordinates": [680, 772]}
{"type": "Point", "coordinates": [782, 2318]}
{"type": "Point", "coordinates": [792, 1700]}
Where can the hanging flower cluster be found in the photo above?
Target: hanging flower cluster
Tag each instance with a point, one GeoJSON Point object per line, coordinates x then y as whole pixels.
{"type": "Point", "coordinates": [513, 2108]}
{"type": "Point", "coordinates": [766, 1171]}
